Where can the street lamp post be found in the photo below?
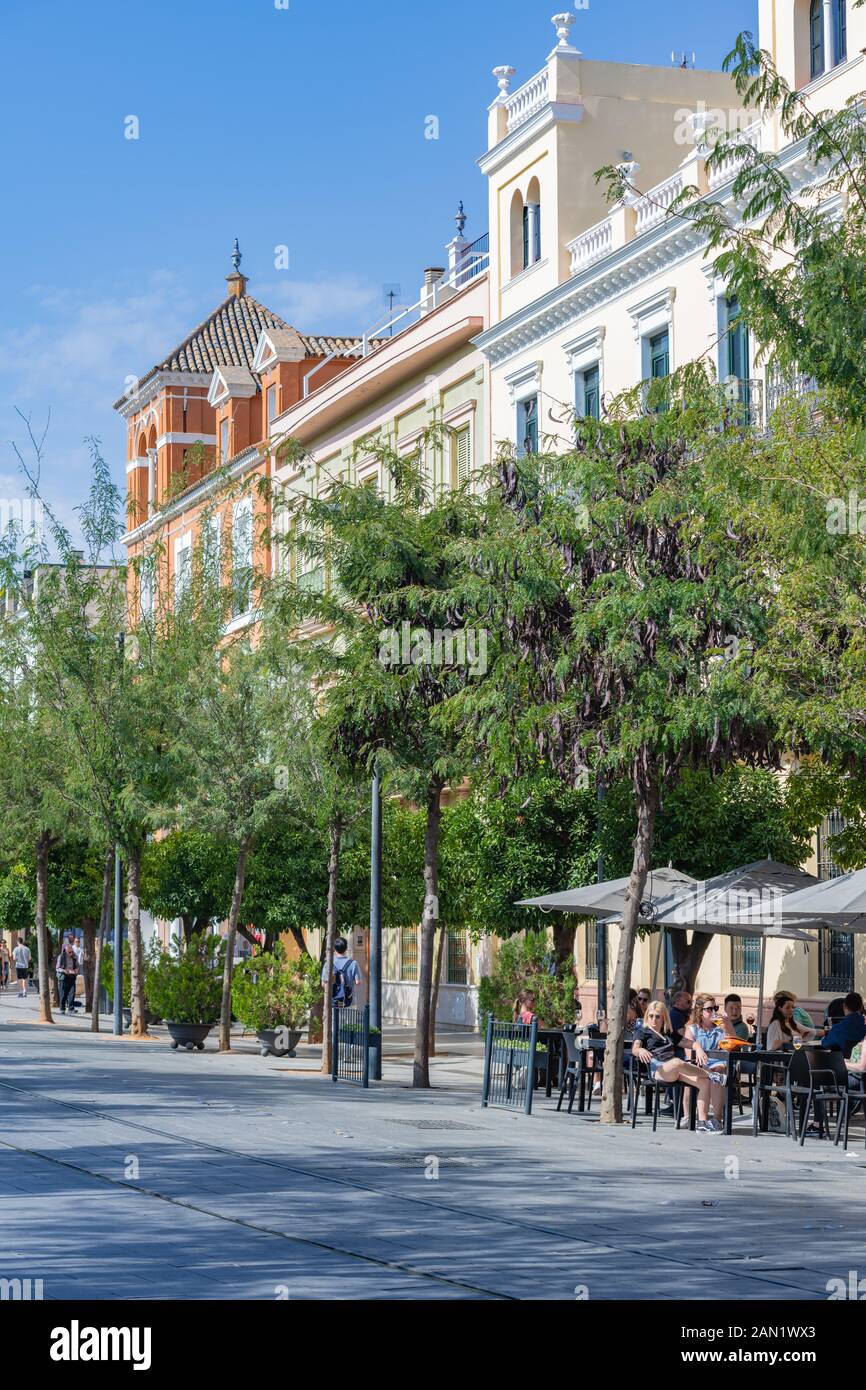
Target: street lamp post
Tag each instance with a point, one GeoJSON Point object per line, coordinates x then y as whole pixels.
{"type": "Point", "coordinates": [601, 929]}
{"type": "Point", "coordinates": [376, 922]}
{"type": "Point", "coordinates": [118, 915]}
{"type": "Point", "coordinates": [118, 946]}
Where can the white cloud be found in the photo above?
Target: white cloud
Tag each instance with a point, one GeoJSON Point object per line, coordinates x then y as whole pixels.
{"type": "Point", "coordinates": [334, 304]}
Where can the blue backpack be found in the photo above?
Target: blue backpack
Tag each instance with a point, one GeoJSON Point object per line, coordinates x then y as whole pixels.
{"type": "Point", "coordinates": [342, 990]}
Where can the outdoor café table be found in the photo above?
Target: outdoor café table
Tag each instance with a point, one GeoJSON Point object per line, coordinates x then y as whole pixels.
{"type": "Point", "coordinates": [551, 1038]}
{"type": "Point", "coordinates": [759, 1056]}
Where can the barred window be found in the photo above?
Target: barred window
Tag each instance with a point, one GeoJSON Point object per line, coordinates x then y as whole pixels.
{"type": "Point", "coordinates": [457, 967]}
{"type": "Point", "coordinates": [591, 942]}
{"type": "Point", "coordinates": [408, 953]}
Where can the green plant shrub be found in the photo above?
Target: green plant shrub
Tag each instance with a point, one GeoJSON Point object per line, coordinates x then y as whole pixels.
{"type": "Point", "coordinates": [524, 963]}
{"type": "Point", "coordinates": [153, 953]}
{"type": "Point", "coordinates": [187, 988]}
{"type": "Point", "coordinates": [270, 992]}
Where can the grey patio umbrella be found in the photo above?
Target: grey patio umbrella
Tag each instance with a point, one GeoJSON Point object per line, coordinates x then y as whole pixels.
{"type": "Point", "coordinates": [603, 899]}
{"type": "Point", "coordinates": [742, 902]}
{"type": "Point", "coordinates": [839, 903]}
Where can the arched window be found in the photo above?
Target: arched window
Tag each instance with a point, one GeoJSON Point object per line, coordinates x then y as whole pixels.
{"type": "Point", "coordinates": [840, 26]}
{"type": "Point", "coordinates": [518, 215]}
{"type": "Point", "coordinates": [532, 225]}
{"type": "Point", "coordinates": [816, 38]}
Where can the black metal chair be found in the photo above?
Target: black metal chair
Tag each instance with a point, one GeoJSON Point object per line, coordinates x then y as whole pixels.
{"type": "Point", "coordinates": [572, 1070]}
{"type": "Point", "coordinates": [771, 1078]}
{"type": "Point", "coordinates": [639, 1077]}
{"type": "Point", "coordinates": [855, 1098]}
{"type": "Point", "coordinates": [816, 1079]}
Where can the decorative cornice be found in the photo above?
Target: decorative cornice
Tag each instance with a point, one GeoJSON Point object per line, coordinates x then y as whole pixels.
{"type": "Point", "coordinates": [142, 395]}
{"type": "Point", "coordinates": [620, 272]}
{"type": "Point", "coordinates": [544, 118]}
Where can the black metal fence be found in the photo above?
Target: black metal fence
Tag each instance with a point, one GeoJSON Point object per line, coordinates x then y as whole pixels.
{"type": "Point", "coordinates": [509, 1064]}
{"type": "Point", "coordinates": [350, 1045]}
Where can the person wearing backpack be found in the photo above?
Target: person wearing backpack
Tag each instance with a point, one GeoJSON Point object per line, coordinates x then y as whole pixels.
{"type": "Point", "coordinates": [346, 975]}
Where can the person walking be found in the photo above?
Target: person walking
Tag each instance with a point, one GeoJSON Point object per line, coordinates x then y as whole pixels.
{"type": "Point", "coordinates": [5, 965]}
{"type": "Point", "coordinates": [67, 974]}
{"type": "Point", "coordinates": [347, 974]}
{"type": "Point", "coordinates": [21, 957]}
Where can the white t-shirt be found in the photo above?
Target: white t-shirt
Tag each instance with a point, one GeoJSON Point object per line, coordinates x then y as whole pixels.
{"type": "Point", "coordinates": [21, 956]}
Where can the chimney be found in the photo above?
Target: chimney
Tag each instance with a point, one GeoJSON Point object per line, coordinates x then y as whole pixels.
{"type": "Point", "coordinates": [429, 298]}
{"type": "Point", "coordinates": [236, 282]}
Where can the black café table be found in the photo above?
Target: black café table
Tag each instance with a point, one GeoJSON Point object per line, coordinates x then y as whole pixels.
{"type": "Point", "coordinates": [758, 1056]}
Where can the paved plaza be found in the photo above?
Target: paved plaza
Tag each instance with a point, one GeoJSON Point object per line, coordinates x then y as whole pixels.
{"type": "Point", "coordinates": [129, 1171]}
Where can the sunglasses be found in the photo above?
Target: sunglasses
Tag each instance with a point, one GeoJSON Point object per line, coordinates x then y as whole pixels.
{"type": "Point", "coordinates": [709, 1008]}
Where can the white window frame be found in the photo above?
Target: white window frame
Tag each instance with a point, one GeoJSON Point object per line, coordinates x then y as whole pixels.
{"type": "Point", "coordinates": [242, 510]}
{"type": "Point", "coordinates": [583, 353]}
{"type": "Point", "coordinates": [182, 567]}
{"type": "Point", "coordinates": [650, 317]}
{"type": "Point", "coordinates": [522, 384]}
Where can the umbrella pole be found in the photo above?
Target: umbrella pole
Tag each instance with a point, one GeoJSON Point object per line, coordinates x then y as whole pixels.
{"type": "Point", "coordinates": [658, 959]}
{"type": "Point", "coordinates": [760, 1033]}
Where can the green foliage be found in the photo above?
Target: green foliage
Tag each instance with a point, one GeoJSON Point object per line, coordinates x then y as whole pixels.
{"type": "Point", "coordinates": [270, 992]}
{"type": "Point", "coordinates": [187, 988]}
{"type": "Point", "coordinates": [523, 964]}
{"type": "Point", "coordinates": [153, 956]}
{"type": "Point", "coordinates": [16, 900]}
{"type": "Point", "coordinates": [187, 874]}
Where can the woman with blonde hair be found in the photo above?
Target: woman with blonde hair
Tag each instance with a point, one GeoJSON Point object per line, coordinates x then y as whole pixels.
{"type": "Point", "coordinates": [655, 1045]}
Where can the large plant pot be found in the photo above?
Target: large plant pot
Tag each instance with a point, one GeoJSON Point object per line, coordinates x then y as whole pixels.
{"type": "Point", "coordinates": [189, 1035]}
{"type": "Point", "coordinates": [277, 1042]}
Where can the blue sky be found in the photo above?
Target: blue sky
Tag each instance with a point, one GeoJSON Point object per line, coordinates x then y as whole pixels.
{"type": "Point", "coordinates": [301, 126]}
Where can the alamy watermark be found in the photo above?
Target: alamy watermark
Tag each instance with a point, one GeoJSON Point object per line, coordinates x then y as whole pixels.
{"type": "Point", "coordinates": [464, 648]}
{"type": "Point", "coordinates": [847, 516]}
{"type": "Point", "coordinates": [23, 515]}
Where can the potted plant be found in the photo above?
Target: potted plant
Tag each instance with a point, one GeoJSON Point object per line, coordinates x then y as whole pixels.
{"type": "Point", "coordinates": [186, 990]}
{"type": "Point", "coordinates": [152, 955]}
{"type": "Point", "coordinates": [273, 997]}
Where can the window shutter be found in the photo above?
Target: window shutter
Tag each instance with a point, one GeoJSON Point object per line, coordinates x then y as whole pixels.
{"type": "Point", "coordinates": [463, 455]}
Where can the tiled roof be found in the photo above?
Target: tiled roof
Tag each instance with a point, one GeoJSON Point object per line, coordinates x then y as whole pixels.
{"type": "Point", "coordinates": [228, 337]}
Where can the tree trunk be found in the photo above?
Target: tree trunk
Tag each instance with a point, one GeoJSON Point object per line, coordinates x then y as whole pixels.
{"type": "Point", "coordinates": [234, 914]}
{"type": "Point", "coordinates": [88, 927]}
{"type": "Point", "coordinates": [335, 835]}
{"type": "Point", "coordinates": [43, 939]}
{"type": "Point", "coordinates": [429, 917]}
{"type": "Point", "coordinates": [136, 950]}
{"type": "Point", "coordinates": [611, 1100]}
{"type": "Point", "coordinates": [107, 882]}
{"type": "Point", "coordinates": [688, 956]}
{"type": "Point", "coordinates": [437, 980]}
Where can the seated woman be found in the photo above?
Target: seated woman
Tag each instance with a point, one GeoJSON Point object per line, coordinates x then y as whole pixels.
{"type": "Point", "coordinates": [784, 1026]}
{"type": "Point", "coordinates": [524, 1008]}
{"type": "Point", "coordinates": [655, 1045]}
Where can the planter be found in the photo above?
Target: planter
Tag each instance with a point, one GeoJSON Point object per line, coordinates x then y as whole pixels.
{"type": "Point", "coordinates": [278, 1042]}
{"type": "Point", "coordinates": [149, 1018]}
{"type": "Point", "coordinates": [189, 1035]}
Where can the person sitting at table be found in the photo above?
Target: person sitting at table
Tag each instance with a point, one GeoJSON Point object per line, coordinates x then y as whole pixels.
{"type": "Point", "coordinates": [783, 1026]}
{"type": "Point", "coordinates": [852, 1027]}
{"type": "Point", "coordinates": [734, 1014]}
{"type": "Point", "coordinates": [644, 999]}
{"type": "Point", "coordinates": [655, 1045]}
{"type": "Point", "coordinates": [706, 1029]}
{"type": "Point", "coordinates": [524, 1008]}
{"type": "Point", "coordinates": [681, 1008]}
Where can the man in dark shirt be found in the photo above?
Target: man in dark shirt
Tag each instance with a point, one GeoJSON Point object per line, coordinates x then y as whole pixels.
{"type": "Point", "coordinates": [850, 1029]}
{"type": "Point", "coordinates": [681, 1010]}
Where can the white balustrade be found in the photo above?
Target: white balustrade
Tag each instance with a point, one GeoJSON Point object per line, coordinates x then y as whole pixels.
{"type": "Point", "coordinates": [528, 99]}
{"type": "Point", "coordinates": [653, 207]}
{"type": "Point", "coordinates": [591, 245]}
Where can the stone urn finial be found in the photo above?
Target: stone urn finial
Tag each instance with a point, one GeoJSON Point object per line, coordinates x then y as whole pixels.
{"type": "Point", "coordinates": [562, 24]}
{"type": "Point", "coordinates": [503, 76]}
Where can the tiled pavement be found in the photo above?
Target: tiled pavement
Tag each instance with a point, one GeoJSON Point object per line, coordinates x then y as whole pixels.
{"type": "Point", "coordinates": [131, 1171]}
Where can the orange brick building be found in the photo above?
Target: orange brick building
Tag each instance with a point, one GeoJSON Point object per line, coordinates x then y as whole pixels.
{"type": "Point", "coordinates": [197, 423]}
